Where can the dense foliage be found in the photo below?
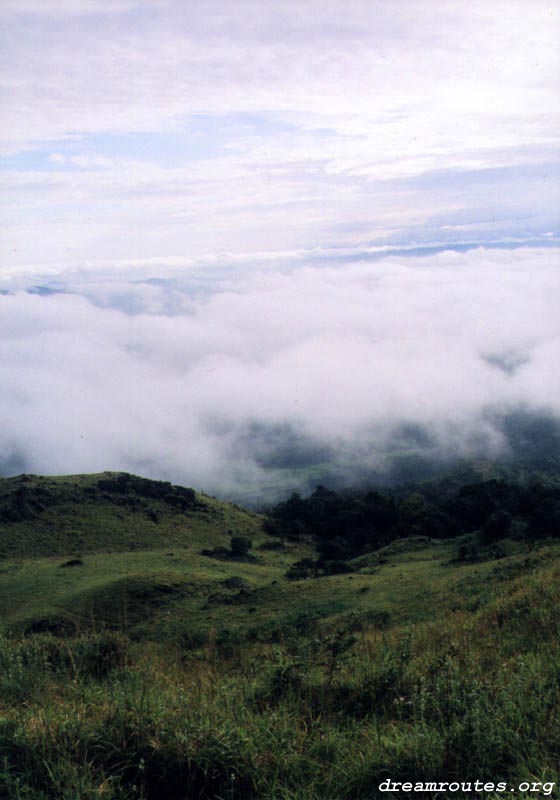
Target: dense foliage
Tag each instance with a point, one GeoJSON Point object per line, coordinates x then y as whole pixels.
{"type": "Point", "coordinates": [347, 524]}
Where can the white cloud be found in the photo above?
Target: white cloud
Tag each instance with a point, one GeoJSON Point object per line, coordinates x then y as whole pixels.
{"type": "Point", "coordinates": [67, 7]}
{"type": "Point", "coordinates": [317, 116]}
{"type": "Point", "coordinates": [82, 161]}
{"type": "Point", "coordinates": [235, 152]}
{"type": "Point", "coordinates": [342, 356]}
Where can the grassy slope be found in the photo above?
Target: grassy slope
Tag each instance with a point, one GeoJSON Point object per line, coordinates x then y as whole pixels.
{"type": "Point", "coordinates": [135, 570]}
{"type": "Point", "coordinates": [470, 695]}
{"type": "Point", "coordinates": [463, 684]}
{"type": "Point", "coordinates": [78, 517]}
{"type": "Point", "coordinates": [150, 578]}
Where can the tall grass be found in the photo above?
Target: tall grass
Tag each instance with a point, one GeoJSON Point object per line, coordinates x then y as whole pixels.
{"type": "Point", "coordinates": [328, 716]}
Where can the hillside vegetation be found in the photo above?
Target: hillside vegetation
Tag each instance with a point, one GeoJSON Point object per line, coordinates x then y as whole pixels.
{"type": "Point", "coordinates": [109, 512]}
{"type": "Point", "coordinates": [159, 643]}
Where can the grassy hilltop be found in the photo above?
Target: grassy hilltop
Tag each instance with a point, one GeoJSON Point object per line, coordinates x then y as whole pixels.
{"type": "Point", "coordinates": [110, 512]}
{"type": "Point", "coordinates": [159, 643]}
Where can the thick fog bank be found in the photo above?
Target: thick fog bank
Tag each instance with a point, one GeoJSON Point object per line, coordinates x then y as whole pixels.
{"type": "Point", "coordinates": [268, 380]}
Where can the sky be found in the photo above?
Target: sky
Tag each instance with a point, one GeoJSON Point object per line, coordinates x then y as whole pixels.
{"type": "Point", "coordinates": [235, 234]}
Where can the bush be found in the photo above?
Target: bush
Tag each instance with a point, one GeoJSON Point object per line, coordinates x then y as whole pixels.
{"type": "Point", "coordinates": [545, 520]}
{"type": "Point", "coordinates": [304, 568]}
{"type": "Point", "coordinates": [497, 526]}
{"type": "Point", "coordinates": [336, 567]}
{"type": "Point", "coordinates": [240, 546]}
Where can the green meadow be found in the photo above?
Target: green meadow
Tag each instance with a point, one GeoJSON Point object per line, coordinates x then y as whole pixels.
{"type": "Point", "coordinates": [132, 665]}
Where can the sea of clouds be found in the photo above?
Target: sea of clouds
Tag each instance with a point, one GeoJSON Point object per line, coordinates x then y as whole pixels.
{"type": "Point", "coordinates": [236, 380]}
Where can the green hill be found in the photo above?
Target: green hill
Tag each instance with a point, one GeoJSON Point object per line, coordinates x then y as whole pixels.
{"type": "Point", "coordinates": [159, 643]}
{"type": "Point", "coordinates": [113, 512]}
{"type": "Point", "coordinates": [90, 552]}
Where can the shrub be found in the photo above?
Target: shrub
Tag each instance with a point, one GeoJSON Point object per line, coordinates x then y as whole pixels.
{"type": "Point", "coordinates": [304, 568]}
{"type": "Point", "coordinates": [336, 567]}
{"type": "Point", "coordinates": [497, 526]}
{"type": "Point", "coordinates": [240, 546]}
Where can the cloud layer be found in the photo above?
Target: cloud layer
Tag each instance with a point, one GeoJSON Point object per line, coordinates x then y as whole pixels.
{"type": "Point", "coordinates": [212, 224]}
{"type": "Point", "coordinates": [279, 368]}
{"type": "Point", "coordinates": [170, 129]}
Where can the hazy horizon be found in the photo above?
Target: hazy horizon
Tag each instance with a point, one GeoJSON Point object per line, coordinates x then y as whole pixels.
{"type": "Point", "coordinates": [242, 241]}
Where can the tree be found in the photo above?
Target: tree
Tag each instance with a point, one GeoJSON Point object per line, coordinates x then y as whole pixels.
{"type": "Point", "coordinates": [497, 526]}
